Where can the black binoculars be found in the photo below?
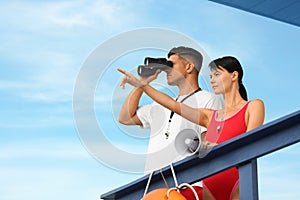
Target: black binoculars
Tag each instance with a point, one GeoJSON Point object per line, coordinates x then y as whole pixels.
{"type": "Point", "coordinates": [152, 64]}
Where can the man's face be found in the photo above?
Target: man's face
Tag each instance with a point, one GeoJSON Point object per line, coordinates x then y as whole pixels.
{"type": "Point", "coordinates": [177, 72]}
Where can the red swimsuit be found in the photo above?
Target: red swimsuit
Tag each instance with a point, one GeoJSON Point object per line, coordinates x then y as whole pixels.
{"type": "Point", "coordinates": [222, 185]}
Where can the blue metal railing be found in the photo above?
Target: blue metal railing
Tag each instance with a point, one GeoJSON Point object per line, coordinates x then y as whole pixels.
{"type": "Point", "coordinates": [241, 151]}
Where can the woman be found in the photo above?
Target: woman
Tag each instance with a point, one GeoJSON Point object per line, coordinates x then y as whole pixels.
{"type": "Point", "coordinates": [236, 117]}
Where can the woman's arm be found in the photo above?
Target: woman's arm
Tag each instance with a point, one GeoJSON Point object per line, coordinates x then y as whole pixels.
{"type": "Point", "coordinates": [199, 116]}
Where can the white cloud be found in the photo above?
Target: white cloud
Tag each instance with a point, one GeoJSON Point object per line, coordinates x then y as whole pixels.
{"type": "Point", "coordinates": [47, 32]}
{"type": "Point", "coordinates": [39, 148]}
{"type": "Point", "coordinates": [63, 14]}
{"type": "Point", "coordinates": [53, 169]}
{"type": "Point", "coordinates": [48, 78]}
{"type": "Point", "coordinates": [47, 183]}
{"type": "Point", "coordinates": [35, 122]}
{"type": "Point", "coordinates": [43, 90]}
{"type": "Point", "coordinates": [12, 85]}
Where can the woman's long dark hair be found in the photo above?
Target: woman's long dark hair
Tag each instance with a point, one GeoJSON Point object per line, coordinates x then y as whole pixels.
{"type": "Point", "coordinates": [231, 64]}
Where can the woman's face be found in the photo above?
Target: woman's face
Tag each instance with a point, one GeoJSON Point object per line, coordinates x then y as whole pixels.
{"type": "Point", "coordinates": [220, 80]}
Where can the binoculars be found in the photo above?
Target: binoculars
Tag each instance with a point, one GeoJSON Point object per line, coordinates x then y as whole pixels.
{"type": "Point", "coordinates": [152, 64]}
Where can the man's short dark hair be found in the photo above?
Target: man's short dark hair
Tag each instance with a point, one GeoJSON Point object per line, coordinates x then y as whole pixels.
{"type": "Point", "coordinates": [189, 54]}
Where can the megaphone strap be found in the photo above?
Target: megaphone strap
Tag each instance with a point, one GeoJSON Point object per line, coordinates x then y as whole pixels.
{"type": "Point", "coordinates": [148, 183]}
{"type": "Point", "coordinates": [164, 179]}
{"type": "Point", "coordinates": [174, 175]}
{"type": "Point", "coordinates": [149, 180]}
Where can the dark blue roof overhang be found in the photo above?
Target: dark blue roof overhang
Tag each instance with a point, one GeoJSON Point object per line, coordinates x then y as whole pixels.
{"type": "Point", "coordinates": [287, 11]}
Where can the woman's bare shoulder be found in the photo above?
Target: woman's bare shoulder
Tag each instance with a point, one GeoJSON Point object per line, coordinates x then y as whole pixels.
{"type": "Point", "coordinates": [256, 104]}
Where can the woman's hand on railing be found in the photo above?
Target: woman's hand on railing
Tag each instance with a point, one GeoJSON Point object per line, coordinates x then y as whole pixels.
{"type": "Point", "coordinates": [207, 145]}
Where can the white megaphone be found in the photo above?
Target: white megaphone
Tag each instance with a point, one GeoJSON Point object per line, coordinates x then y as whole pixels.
{"type": "Point", "coordinates": [187, 142]}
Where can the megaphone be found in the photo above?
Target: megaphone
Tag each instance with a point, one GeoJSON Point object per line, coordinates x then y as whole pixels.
{"type": "Point", "coordinates": [187, 142]}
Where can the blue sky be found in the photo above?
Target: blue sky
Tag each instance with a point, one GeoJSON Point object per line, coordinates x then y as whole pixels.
{"type": "Point", "coordinates": [44, 45]}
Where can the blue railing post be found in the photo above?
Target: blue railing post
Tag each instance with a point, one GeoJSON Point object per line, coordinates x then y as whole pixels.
{"type": "Point", "coordinates": [248, 180]}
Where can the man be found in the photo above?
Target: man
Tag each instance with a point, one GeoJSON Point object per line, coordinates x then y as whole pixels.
{"type": "Point", "coordinates": [164, 124]}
